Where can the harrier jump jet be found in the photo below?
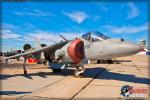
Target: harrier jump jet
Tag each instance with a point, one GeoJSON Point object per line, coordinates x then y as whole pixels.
{"type": "Point", "coordinates": [92, 45]}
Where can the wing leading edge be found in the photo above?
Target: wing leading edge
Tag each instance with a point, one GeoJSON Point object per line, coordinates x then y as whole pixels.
{"type": "Point", "coordinates": [54, 46]}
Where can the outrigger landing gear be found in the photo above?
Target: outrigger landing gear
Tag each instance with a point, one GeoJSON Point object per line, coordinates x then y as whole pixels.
{"type": "Point", "coordinates": [79, 71]}
{"type": "Point", "coordinates": [24, 67]}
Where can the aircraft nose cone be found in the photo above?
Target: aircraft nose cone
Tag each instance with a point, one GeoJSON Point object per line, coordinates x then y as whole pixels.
{"type": "Point", "coordinates": [132, 48]}
{"type": "Point", "coordinates": [135, 48]}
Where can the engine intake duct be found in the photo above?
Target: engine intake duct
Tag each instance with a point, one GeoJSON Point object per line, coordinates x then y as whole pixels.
{"type": "Point", "coordinates": [76, 50]}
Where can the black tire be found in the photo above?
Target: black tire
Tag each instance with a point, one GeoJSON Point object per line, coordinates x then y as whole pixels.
{"type": "Point", "coordinates": [98, 61]}
{"type": "Point", "coordinates": [110, 61]}
{"type": "Point", "coordinates": [25, 72]}
{"type": "Point", "coordinates": [45, 62]}
{"type": "Point", "coordinates": [56, 70]}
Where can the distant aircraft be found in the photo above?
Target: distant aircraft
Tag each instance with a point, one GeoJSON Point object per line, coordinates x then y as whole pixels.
{"type": "Point", "coordinates": [92, 45]}
{"type": "Point", "coordinates": [9, 53]}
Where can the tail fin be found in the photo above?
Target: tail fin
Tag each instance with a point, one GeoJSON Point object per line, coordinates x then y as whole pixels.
{"type": "Point", "coordinates": [37, 43]}
{"type": "Point", "coordinates": [38, 46]}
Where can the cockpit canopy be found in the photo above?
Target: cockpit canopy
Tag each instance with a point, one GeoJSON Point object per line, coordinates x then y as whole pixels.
{"type": "Point", "coordinates": [95, 36]}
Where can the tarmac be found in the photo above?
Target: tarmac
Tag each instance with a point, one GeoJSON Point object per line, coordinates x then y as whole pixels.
{"type": "Point", "coordinates": [100, 81]}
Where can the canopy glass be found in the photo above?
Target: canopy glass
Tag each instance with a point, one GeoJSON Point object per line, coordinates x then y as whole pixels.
{"type": "Point", "coordinates": [95, 36]}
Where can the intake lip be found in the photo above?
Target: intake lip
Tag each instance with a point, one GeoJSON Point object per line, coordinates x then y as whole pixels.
{"type": "Point", "coordinates": [76, 50]}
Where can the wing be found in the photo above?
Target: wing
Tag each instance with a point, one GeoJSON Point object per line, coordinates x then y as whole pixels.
{"type": "Point", "coordinates": [52, 47]}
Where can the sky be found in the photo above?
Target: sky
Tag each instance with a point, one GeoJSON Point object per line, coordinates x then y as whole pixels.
{"type": "Point", "coordinates": [24, 22]}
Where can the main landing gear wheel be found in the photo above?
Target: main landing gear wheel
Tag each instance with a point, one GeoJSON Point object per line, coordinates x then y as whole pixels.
{"type": "Point", "coordinates": [56, 70]}
{"type": "Point", "coordinates": [110, 61]}
{"type": "Point", "coordinates": [79, 71]}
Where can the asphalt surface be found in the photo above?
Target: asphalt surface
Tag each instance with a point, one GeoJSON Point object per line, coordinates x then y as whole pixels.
{"type": "Point", "coordinates": [100, 81]}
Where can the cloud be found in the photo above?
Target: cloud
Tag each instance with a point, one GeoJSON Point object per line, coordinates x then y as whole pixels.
{"type": "Point", "coordinates": [8, 34]}
{"type": "Point", "coordinates": [34, 12]}
{"type": "Point", "coordinates": [30, 37]}
{"type": "Point", "coordinates": [8, 26]}
{"type": "Point", "coordinates": [21, 29]}
{"type": "Point", "coordinates": [47, 37]}
{"type": "Point", "coordinates": [51, 36]}
{"type": "Point", "coordinates": [134, 11]}
{"type": "Point", "coordinates": [127, 29]}
{"type": "Point", "coordinates": [70, 35]}
{"type": "Point", "coordinates": [44, 36]}
{"type": "Point", "coordinates": [10, 31]}
{"type": "Point", "coordinates": [78, 17]}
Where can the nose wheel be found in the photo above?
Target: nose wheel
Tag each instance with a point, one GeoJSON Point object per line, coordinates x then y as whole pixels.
{"type": "Point", "coordinates": [79, 71]}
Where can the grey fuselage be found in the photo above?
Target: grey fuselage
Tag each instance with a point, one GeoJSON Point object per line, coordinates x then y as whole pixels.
{"type": "Point", "coordinates": [110, 48]}
{"type": "Point", "coordinates": [101, 50]}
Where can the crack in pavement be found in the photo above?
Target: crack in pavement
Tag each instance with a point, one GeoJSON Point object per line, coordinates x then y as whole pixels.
{"type": "Point", "coordinates": [40, 89]}
{"type": "Point", "coordinates": [87, 84]}
{"type": "Point", "coordinates": [19, 98]}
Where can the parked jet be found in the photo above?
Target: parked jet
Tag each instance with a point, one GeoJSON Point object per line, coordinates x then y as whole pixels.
{"type": "Point", "coordinates": [92, 45]}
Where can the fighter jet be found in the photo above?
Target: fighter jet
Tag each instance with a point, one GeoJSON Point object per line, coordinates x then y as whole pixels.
{"type": "Point", "coordinates": [75, 53]}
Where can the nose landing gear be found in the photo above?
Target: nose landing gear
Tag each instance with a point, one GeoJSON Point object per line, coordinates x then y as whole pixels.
{"type": "Point", "coordinates": [79, 71]}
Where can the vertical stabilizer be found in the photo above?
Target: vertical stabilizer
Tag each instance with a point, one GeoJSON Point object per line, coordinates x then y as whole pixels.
{"type": "Point", "coordinates": [37, 43]}
{"type": "Point", "coordinates": [38, 46]}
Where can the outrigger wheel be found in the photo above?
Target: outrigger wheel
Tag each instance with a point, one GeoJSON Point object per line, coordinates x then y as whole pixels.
{"type": "Point", "coordinates": [25, 72]}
